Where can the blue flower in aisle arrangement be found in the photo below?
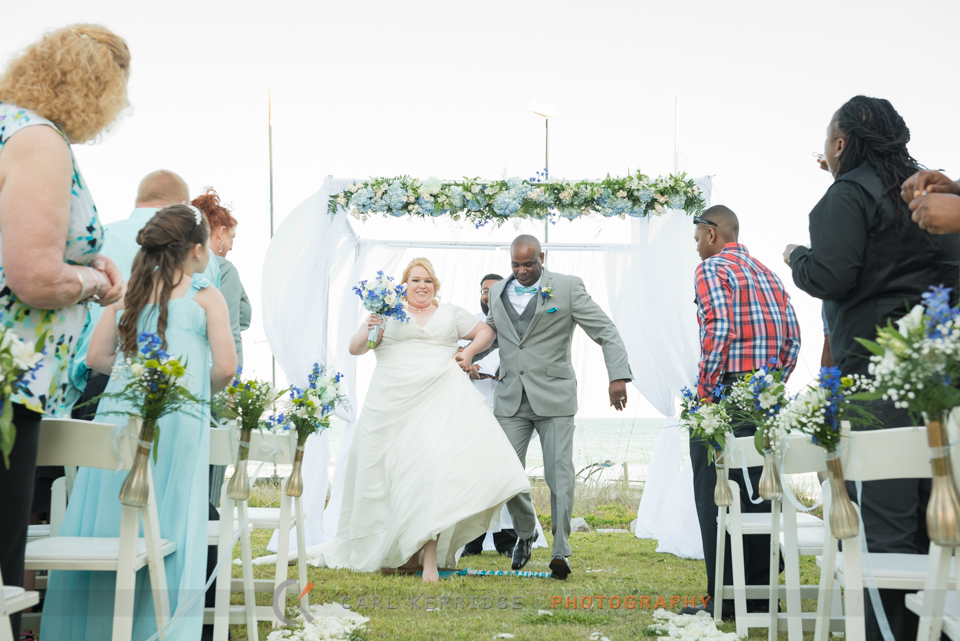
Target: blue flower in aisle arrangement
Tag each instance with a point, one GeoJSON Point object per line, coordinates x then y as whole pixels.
{"type": "Point", "coordinates": [480, 202]}
{"type": "Point", "coordinates": [757, 398]}
{"type": "Point", "coordinates": [307, 410]}
{"type": "Point", "coordinates": [916, 363]}
{"type": "Point", "coordinates": [821, 407]}
{"type": "Point", "coordinates": [19, 362]}
{"type": "Point", "coordinates": [383, 298]}
{"type": "Point", "coordinates": [154, 387]}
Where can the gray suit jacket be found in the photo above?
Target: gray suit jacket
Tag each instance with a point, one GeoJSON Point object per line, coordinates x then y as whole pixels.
{"type": "Point", "coordinates": [537, 360]}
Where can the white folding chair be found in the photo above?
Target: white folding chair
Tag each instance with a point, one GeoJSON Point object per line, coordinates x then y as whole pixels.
{"type": "Point", "coordinates": [279, 449]}
{"type": "Point", "coordinates": [221, 534]}
{"type": "Point", "coordinates": [792, 533]}
{"type": "Point", "coordinates": [937, 606]}
{"type": "Point", "coordinates": [58, 506]}
{"type": "Point", "coordinates": [895, 453]}
{"type": "Point", "coordinates": [13, 599]}
{"type": "Point", "coordinates": [88, 444]}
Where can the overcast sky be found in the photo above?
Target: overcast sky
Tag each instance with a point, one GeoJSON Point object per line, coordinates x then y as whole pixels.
{"type": "Point", "coordinates": [444, 89]}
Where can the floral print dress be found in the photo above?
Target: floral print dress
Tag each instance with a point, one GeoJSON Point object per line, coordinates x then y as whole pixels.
{"type": "Point", "coordinates": [61, 327]}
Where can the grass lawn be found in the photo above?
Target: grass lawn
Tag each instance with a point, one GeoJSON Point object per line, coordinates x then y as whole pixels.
{"type": "Point", "coordinates": [469, 608]}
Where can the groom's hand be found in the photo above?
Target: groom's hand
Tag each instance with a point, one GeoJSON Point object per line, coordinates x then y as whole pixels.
{"type": "Point", "coordinates": [618, 395]}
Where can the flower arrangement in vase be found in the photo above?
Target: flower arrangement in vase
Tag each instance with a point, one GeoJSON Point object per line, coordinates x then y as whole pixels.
{"type": "Point", "coordinates": [709, 421]}
{"type": "Point", "coordinates": [307, 411]}
{"type": "Point", "coordinates": [246, 401]}
{"type": "Point", "coordinates": [757, 398]}
{"type": "Point", "coordinates": [916, 364]}
{"type": "Point", "coordinates": [153, 388]}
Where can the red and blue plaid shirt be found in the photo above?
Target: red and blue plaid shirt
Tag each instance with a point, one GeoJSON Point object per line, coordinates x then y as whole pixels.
{"type": "Point", "coordinates": [746, 319]}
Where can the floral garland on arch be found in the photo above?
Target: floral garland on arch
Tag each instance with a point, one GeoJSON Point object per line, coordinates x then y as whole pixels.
{"type": "Point", "coordinates": [539, 197]}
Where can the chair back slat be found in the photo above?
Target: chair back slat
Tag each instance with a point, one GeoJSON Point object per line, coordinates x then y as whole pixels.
{"type": "Point", "coordinates": [286, 443]}
{"type": "Point", "coordinates": [801, 455]}
{"type": "Point", "coordinates": [65, 441]}
{"type": "Point", "coordinates": [894, 453]}
{"type": "Point", "coordinates": [745, 452]}
{"type": "Point", "coordinates": [223, 451]}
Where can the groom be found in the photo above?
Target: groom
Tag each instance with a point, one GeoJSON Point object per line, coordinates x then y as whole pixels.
{"type": "Point", "coordinates": [534, 313]}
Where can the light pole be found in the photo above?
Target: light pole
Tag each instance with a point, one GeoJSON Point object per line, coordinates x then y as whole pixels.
{"type": "Point", "coordinates": [546, 112]}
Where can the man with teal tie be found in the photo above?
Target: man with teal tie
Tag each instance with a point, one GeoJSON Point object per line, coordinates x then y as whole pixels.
{"type": "Point", "coordinates": [535, 313]}
{"type": "Point", "coordinates": [157, 190]}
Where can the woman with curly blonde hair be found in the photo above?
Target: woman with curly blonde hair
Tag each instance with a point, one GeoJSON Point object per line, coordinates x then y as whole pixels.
{"type": "Point", "coordinates": [72, 82]}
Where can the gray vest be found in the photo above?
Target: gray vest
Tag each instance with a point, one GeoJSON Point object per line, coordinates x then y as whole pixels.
{"type": "Point", "coordinates": [520, 321]}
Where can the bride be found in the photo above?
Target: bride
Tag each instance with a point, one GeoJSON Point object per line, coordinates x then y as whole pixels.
{"type": "Point", "coordinates": [429, 467]}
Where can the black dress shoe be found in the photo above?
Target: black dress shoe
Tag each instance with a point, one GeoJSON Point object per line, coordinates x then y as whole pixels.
{"type": "Point", "coordinates": [728, 610]}
{"type": "Point", "coordinates": [560, 568]}
{"type": "Point", "coordinates": [522, 551]}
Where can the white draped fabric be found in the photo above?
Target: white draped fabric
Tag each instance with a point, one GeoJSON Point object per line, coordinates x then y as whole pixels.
{"type": "Point", "coordinates": [649, 292]}
{"type": "Point", "coordinates": [651, 296]}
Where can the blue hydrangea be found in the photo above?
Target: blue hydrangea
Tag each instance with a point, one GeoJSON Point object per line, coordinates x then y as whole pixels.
{"type": "Point", "coordinates": [362, 198]}
{"type": "Point", "coordinates": [676, 201]}
{"type": "Point", "coordinates": [645, 196]}
{"type": "Point", "coordinates": [395, 197]}
{"type": "Point", "coordinates": [456, 197]}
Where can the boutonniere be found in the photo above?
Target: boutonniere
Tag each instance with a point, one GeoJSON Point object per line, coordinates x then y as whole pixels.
{"type": "Point", "coordinates": [545, 293]}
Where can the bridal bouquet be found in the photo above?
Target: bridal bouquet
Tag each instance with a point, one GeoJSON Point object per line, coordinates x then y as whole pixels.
{"type": "Point", "coordinates": [19, 362]}
{"type": "Point", "coordinates": [244, 401]}
{"type": "Point", "coordinates": [384, 299]}
{"type": "Point", "coordinates": [308, 410]}
{"type": "Point", "coordinates": [154, 387]}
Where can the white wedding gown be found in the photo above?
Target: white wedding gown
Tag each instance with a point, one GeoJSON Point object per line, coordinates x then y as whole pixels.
{"type": "Point", "coordinates": [427, 457]}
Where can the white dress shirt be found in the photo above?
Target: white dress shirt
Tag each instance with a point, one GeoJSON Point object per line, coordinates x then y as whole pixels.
{"type": "Point", "coordinates": [520, 301]}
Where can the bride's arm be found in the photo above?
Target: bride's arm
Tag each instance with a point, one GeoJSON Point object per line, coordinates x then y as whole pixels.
{"type": "Point", "coordinates": [358, 344]}
{"type": "Point", "coordinates": [482, 337]}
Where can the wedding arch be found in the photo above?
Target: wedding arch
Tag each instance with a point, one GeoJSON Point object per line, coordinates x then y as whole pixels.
{"type": "Point", "coordinates": [316, 256]}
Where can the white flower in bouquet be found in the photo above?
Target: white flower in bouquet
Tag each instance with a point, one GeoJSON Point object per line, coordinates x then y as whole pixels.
{"type": "Point", "coordinates": [24, 356]}
{"type": "Point", "coordinates": [390, 299]}
{"type": "Point", "coordinates": [767, 400]}
{"type": "Point", "coordinates": [911, 322]}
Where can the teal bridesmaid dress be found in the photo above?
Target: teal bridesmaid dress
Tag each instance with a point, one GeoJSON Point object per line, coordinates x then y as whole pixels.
{"type": "Point", "coordinates": [79, 605]}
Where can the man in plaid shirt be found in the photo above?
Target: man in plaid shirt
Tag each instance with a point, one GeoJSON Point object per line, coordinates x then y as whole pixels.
{"type": "Point", "coordinates": [746, 322]}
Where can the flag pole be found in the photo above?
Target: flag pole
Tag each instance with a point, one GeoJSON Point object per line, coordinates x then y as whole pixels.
{"type": "Point", "coordinates": [273, 361]}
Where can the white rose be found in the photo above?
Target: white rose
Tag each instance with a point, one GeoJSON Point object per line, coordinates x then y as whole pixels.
{"type": "Point", "coordinates": [354, 187]}
{"type": "Point", "coordinates": [341, 200]}
{"type": "Point", "coordinates": [621, 194]}
{"type": "Point", "coordinates": [390, 299]}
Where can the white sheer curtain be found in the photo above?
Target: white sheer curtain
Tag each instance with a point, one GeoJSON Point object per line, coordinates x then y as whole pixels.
{"type": "Point", "coordinates": [307, 253]}
{"type": "Point", "coordinates": [651, 295]}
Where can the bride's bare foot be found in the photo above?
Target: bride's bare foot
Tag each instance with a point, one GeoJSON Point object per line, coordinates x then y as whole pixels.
{"type": "Point", "coordinates": [430, 573]}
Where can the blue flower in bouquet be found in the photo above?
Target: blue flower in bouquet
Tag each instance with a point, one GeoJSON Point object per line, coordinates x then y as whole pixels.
{"type": "Point", "coordinates": [383, 297]}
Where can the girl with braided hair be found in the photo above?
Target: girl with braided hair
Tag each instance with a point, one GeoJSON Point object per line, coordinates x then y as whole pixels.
{"type": "Point", "coordinates": [166, 295]}
{"type": "Point", "coordinates": [869, 264]}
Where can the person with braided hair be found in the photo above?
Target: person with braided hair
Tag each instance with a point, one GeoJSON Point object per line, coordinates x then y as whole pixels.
{"type": "Point", "coordinates": [869, 265]}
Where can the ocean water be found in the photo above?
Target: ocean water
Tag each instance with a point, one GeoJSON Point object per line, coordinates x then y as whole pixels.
{"type": "Point", "coordinates": [606, 444]}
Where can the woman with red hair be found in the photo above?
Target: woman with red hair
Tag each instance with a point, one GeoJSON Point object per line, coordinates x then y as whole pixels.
{"type": "Point", "coordinates": [223, 229]}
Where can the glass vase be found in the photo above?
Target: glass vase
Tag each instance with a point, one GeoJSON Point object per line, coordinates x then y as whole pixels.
{"type": "Point", "coordinates": [722, 495]}
{"type": "Point", "coordinates": [295, 482]}
{"type": "Point", "coordinates": [239, 487]}
{"type": "Point", "coordinates": [844, 522]}
{"type": "Point", "coordinates": [770, 488]}
{"type": "Point", "coordinates": [943, 510]}
{"type": "Point", "coordinates": [136, 488]}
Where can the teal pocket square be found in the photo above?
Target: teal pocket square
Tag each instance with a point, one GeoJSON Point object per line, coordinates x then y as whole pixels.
{"type": "Point", "coordinates": [552, 310]}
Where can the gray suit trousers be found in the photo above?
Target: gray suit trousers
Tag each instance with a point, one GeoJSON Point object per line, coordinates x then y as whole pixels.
{"type": "Point", "coordinates": [556, 438]}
